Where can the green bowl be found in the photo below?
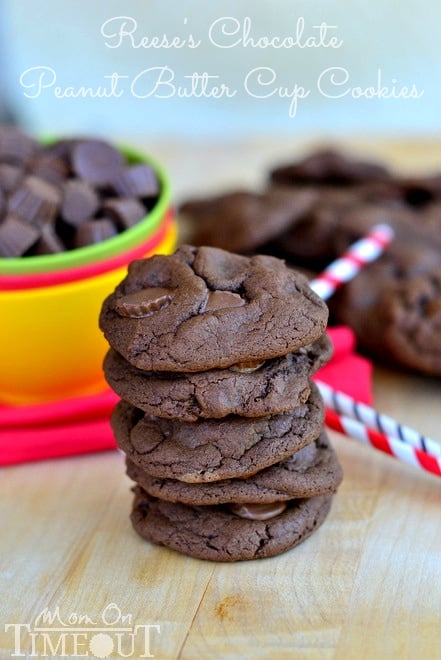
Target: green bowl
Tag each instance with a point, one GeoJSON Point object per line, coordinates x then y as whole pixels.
{"type": "Point", "coordinates": [108, 248]}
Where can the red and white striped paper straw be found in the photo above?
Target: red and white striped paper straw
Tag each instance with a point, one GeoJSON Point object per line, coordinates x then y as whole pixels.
{"type": "Point", "coordinates": [343, 413]}
{"type": "Point", "coordinates": [359, 254]}
{"type": "Point", "coordinates": [348, 407]}
{"type": "Point", "coordinates": [392, 446]}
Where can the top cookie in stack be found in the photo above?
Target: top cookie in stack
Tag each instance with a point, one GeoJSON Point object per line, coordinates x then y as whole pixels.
{"type": "Point", "coordinates": [222, 309]}
{"type": "Point", "coordinates": [212, 353]}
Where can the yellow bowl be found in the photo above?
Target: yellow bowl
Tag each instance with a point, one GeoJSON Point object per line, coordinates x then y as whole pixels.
{"type": "Point", "coordinates": [50, 345]}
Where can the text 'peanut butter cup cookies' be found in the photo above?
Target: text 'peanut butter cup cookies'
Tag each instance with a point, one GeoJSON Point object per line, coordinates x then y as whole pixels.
{"type": "Point", "coordinates": [204, 308]}
{"type": "Point", "coordinates": [212, 354]}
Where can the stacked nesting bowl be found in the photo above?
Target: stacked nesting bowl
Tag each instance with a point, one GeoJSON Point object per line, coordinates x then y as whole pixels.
{"type": "Point", "coordinates": [50, 345]}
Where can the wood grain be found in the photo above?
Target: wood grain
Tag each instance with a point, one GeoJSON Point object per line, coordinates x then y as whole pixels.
{"type": "Point", "coordinates": [367, 584]}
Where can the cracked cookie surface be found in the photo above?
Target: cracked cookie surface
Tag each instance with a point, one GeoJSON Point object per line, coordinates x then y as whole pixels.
{"type": "Point", "coordinates": [395, 308]}
{"type": "Point", "coordinates": [240, 221]}
{"type": "Point", "coordinates": [313, 470]}
{"type": "Point", "coordinates": [276, 386]}
{"type": "Point", "coordinates": [215, 533]}
{"type": "Point", "coordinates": [204, 308]}
{"type": "Point", "coordinates": [211, 450]}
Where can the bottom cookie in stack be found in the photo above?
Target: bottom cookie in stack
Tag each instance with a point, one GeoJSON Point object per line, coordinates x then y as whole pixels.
{"type": "Point", "coordinates": [230, 490]}
{"type": "Point", "coordinates": [218, 534]}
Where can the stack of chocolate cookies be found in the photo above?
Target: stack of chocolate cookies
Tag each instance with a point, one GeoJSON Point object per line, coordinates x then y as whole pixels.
{"type": "Point", "coordinates": [212, 354]}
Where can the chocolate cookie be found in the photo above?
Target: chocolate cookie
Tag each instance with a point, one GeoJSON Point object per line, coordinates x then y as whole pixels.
{"type": "Point", "coordinates": [240, 221]}
{"type": "Point", "coordinates": [329, 167]}
{"type": "Point", "coordinates": [340, 218]}
{"type": "Point", "coordinates": [204, 308]}
{"type": "Point", "coordinates": [269, 387]}
{"type": "Point", "coordinates": [218, 534]}
{"type": "Point", "coordinates": [395, 308]}
{"type": "Point", "coordinates": [313, 470]}
{"type": "Point", "coordinates": [211, 450]}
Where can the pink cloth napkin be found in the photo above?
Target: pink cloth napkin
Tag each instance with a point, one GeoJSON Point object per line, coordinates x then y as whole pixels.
{"type": "Point", "coordinates": [81, 425]}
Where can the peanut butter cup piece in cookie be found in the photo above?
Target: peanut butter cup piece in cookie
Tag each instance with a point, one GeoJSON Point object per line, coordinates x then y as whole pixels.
{"type": "Point", "coordinates": [220, 534]}
{"type": "Point", "coordinates": [222, 309]}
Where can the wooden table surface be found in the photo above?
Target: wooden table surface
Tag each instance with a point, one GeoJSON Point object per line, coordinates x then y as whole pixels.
{"type": "Point", "coordinates": [367, 584]}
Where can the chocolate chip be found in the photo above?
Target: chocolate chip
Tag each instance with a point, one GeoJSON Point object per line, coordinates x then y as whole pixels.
{"type": "Point", "coordinates": [136, 181]}
{"type": "Point", "coordinates": [35, 200]}
{"type": "Point", "coordinates": [96, 161]}
{"type": "Point", "coordinates": [144, 302]}
{"type": "Point", "coordinates": [16, 236]}
{"type": "Point", "coordinates": [80, 202]}
{"type": "Point", "coordinates": [94, 231]}
{"type": "Point", "coordinates": [126, 211]}
{"type": "Point", "coordinates": [222, 299]}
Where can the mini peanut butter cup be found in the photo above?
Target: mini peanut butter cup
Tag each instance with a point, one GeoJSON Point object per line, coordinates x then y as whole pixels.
{"type": "Point", "coordinates": [94, 231]}
{"type": "Point", "coordinates": [136, 181]}
{"type": "Point", "coordinates": [35, 200]}
{"type": "Point", "coordinates": [254, 511]}
{"type": "Point", "coordinates": [96, 161]}
{"type": "Point", "coordinates": [126, 212]}
{"type": "Point", "coordinates": [50, 168]}
{"type": "Point", "coordinates": [16, 236]}
{"type": "Point", "coordinates": [62, 148]}
{"type": "Point", "coordinates": [10, 177]}
{"type": "Point", "coordinates": [80, 202]}
{"type": "Point", "coordinates": [144, 302]}
{"type": "Point", "coordinates": [247, 367]}
{"type": "Point", "coordinates": [49, 241]}
{"type": "Point", "coordinates": [222, 300]}
{"type": "Point", "coordinates": [16, 147]}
